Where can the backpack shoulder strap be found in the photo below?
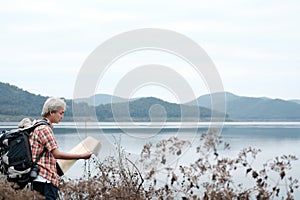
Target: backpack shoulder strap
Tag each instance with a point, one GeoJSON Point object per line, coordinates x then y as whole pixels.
{"type": "Point", "coordinates": [40, 122]}
{"type": "Point", "coordinates": [36, 124]}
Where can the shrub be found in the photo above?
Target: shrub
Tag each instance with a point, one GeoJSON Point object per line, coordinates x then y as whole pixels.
{"type": "Point", "coordinates": [10, 191]}
{"type": "Point", "coordinates": [210, 176]}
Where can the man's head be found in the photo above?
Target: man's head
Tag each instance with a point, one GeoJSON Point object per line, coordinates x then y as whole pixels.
{"type": "Point", "coordinates": [54, 109]}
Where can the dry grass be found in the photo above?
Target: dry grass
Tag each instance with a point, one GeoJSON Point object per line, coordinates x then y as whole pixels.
{"type": "Point", "coordinates": [210, 176]}
{"type": "Point", "coordinates": [10, 191]}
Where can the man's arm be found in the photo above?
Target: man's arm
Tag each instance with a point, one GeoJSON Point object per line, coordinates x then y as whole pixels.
{"type": "Point", "coordinates": [70, 156]}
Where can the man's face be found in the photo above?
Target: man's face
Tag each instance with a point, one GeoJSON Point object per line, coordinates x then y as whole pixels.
{"type": "Point", "coordinates": [57, 116]}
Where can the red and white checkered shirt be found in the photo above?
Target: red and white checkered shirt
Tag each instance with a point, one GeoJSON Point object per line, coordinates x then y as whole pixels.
{"type": "Point", "coordinates": [43, 137]}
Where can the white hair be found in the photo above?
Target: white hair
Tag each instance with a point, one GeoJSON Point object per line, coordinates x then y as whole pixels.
{"type": "Point", "coordinates": [52, 104]}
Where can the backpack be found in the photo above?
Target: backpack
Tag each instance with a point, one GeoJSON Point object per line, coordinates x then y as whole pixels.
{"type": "Point", "coordinates": [15, 154]}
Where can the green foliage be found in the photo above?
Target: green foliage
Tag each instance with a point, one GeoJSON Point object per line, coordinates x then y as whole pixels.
{"type": "Point", "coordinates": [259, 109]}
{"type": "Point", "coordinates": [141, 110]}
{"type": "Point", "coordinates": [15, 101]}
{"type": "Point", "coordinates": [16, 104]}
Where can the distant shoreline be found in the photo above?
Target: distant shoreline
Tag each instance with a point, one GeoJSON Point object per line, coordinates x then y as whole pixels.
{"type": "Point", "coordinates": [158, 125]}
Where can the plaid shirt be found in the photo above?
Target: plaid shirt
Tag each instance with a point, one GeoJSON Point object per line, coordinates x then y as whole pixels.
{"type": "Point", "coordinates": [43, 137]}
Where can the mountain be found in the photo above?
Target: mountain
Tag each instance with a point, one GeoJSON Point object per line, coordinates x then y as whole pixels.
{"type": "Point", "coordinates": [241, 108]}
{"type": "Point", "coordinates": [205, 100]}
{"type": "Point", "coordinates": [99, 99]}
{"type": "Point", "coordinates": [151, 109]}
{"type": "Point", "coordinates": [295, 101]}
{"type": "Point", "coordinates": [17, 104]}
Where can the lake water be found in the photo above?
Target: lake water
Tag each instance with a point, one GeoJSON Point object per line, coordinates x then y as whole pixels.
{"type": "Point", "coordinates": [273, 138]}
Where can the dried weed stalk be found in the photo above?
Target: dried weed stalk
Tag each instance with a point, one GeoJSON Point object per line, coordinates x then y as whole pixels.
{"type": "Point", "coordinates": [117, 178]}
{"type": "Point", "coordinates": [10, 191]}
{"type": "Point", "coordinates": [157, 175]}
{"type": "Point", "coordinates": [213, 176]}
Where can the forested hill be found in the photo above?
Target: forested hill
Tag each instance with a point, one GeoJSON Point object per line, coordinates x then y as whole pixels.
{"type": "Point", "coordinates": [241, 108]}
{"type": "Point", "coordinates": [16, 104]}
{"type": "Point", "coordinates": [150, 108]}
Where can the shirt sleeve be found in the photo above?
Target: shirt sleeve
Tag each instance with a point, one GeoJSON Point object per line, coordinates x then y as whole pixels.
{"type": "Point", "coordinates": [46, 137]}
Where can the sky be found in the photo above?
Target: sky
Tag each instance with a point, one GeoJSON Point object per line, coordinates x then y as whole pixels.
{"type": "Point", "coordinates": [254, 45]}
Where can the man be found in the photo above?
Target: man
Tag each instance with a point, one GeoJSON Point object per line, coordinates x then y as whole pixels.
{"type": "Point", "coordinates": [43, 139]}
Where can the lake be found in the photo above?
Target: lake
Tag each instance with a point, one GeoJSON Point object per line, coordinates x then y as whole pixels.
{"type": "Point", "coordinates": [273, 138]}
